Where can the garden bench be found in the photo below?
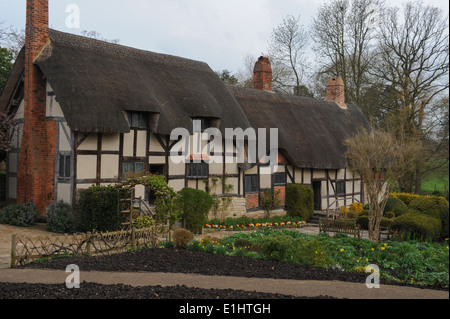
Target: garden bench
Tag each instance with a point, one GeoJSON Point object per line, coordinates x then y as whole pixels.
{"type": "Point", "coordinates": [349, 227]}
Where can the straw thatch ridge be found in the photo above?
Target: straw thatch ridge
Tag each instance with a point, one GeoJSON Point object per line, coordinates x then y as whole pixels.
{"type": "Point", "coordinates": [311, 132]}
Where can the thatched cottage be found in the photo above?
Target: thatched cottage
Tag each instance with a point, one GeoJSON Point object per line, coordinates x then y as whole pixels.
{"type": "Point", "coordinates": [92, 112]}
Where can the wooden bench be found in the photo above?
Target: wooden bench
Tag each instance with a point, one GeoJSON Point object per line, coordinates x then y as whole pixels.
{"type": "Point", "coordinates": [349, 227]}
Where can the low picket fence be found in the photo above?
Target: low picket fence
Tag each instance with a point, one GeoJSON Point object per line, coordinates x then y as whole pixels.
{"type": "Point", "coordinates": [26, 249]}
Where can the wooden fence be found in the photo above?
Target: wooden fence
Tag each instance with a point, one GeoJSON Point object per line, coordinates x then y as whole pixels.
{"type": "Point", "coordinates": [26, 249]}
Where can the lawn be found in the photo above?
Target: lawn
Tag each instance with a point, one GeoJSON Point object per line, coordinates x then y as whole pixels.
{"type": "Point", "coordinates": [437, 180]}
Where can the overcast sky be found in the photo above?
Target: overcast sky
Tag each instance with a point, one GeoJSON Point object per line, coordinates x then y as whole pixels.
{"type": "Point", "coordinates": [220, 33]}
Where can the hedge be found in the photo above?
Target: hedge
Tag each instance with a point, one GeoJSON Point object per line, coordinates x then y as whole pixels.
{"type": "Point", "coordinates": [419, 225]}
{"type": "Point", "coordinates": [299, 201]}
{"type": "Point", "coordinates": [98, 209]}
{"type": "Point", "coordinates": [195, 205]}
{"type": "Point", "coordinates": [434, 206]}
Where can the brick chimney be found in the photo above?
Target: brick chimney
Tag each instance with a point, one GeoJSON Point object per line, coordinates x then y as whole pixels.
{"type": "Point", "coordinates": [336, 91]}
{"type": "Point", "coordinates": [262, 74]}
{"type": "Point", "coordinates": [37, 151]}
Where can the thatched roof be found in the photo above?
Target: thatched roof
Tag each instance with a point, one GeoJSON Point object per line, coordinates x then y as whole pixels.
{"type": "Point", "coordinates": [311, 132]}
{"type": "Point", "coordinates": [13, 79]}
{"type": "Point", "coordinates": [96, 81]}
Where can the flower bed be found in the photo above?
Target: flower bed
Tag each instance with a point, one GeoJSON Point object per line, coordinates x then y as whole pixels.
{"type": "Point", "coordinates": [245, 223]}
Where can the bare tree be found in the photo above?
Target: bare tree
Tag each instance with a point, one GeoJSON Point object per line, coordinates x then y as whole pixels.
{"type": "Point", "coordinates": [344, 33]}
{"type": "Point", "coordinates": [287, 52]}
{"type": "Point", "coordinates": [381, 160]}
{"type": "Point", "coordinates": [413, 59]}
{"type": "Point", "coordinates": [11, 39]}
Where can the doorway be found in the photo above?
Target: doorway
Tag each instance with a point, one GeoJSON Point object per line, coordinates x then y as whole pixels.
{"type": "Point", "coordinates": [317, 188]}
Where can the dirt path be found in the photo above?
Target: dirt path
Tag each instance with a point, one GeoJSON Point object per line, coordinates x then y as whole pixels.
{"type": "Point", "coordinates": [6, 232]}
{"type": "Point", "coordinates": [300, 288]}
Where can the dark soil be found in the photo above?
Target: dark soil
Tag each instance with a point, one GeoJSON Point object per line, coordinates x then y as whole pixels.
{"type": "Point", "coordinates": [171, 261]}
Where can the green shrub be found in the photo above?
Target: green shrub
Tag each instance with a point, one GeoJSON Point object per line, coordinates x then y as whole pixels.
{"type": "Point", "coordinates": [143, 222]}
{"type": "Point", "coordinates": [181, 237]}
{"type": "Point", "coordinates": [195, 205]}
{"type": "Point", "coordinates": [194, 245]}
{"type": "Point", "coordinates": [167, 244]}
{"type": "Point", "coordinates": [390, 215]}
{"type": "Point", "coordinates": [436, 207]}
{"type": "Point", "coordinates": [418, 224]}
{"type": "Point", "coordinates": [22, 215]}
{"type": "Point", "coordinates": [276, 247]}
{"type": "Point", "coordinates": [300, 201]}
{"type": "Point", "coordinates": [60, 218]}
{"type": "Point", "coordinates": [363, 221]}
{"type": "Point", "coordinates": [395, 205]}
{"type": "Point", "coordinates": [98, 209]}
{"type": "Point", "coordinates": [220, 250]}
{"type": "Point", "coordinates": [310, 252]}
{"type": "Point", "coordinates": [243, 243]}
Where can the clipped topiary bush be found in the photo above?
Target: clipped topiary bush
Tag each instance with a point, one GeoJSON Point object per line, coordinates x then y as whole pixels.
{"type": "Point", "coordinates": [195, 205]}
{"type": "Point", "coordinates": [182, 237]}
{"type": "Point", "coordinates": [300, 201]}
{"type": "Point", "coordinates": [363, 221]}
{"type": "Point", "coordinates": [60, 218]}
{"type": "Point", "coordinates": [395, 205]}
{"type": "Point", "coordinates": [419, 225]}
{"type": "Point", "coordinates": [98, 209]}
{"type": "Point", "coordinates": [434, 206]}
{"type": "Point", "coordinates": [22, 215]}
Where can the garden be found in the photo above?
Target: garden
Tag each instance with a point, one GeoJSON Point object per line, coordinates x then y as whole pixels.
{"type": "Point", "coordinates": [418, 255]}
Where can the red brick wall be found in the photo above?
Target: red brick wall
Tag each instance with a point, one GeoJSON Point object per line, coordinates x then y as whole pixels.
{"type": "Point", "coordinates": [252, 200]}
{"type": "Point", "coordinates": [282, 195]}
{"type": "Point", "coordinates": [262, 74]}
{"type": "Point", "coordinates": [38, 147]}
{"type": "Point", "coordinates": [336, 91]}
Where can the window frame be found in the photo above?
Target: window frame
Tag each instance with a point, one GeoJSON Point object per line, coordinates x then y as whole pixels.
{"type": "Point", "coordinates": [277, 183]}
{"type": "Point", "coordinates": [142, 119]}
{"type": "Point", "coordinates": [254, 182]}
{"type": "Point", "coordinates": [126, 173]}
{"type": "Point", "coordinates": [65, 170]}
{"type": "Point", "coordinates": [340, 188]}
{"type": "Point", "coordinates": [204, 168]}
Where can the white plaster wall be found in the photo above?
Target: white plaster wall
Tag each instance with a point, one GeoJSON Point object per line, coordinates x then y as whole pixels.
{"type": "Point", "coordinates": [89, 144]}
{"type": "Point", "coordinates": [110, 166]}
{"type": "Point", "coordinates": [110, 142]}
{"type": "Point", "coordinates": [64, 192]}
{"type": "Point", "coordinates": [177, 184]}
{"type": "Point", "coordinates": [154, 144]}
{"type": "Point", "coordinates": [53, 108]}
{"type": "Point", "coordinates": [64, 141]}
{"type": "Point", "coordinates": [141, 142]}
{"type": "Point", "coordinates": [128, 141]}
{"type": "Point", "coordinates": [86, 166]}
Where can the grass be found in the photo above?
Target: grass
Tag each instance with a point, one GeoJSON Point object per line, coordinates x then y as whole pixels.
{"type": "Point", "coordinates": [438, 179]}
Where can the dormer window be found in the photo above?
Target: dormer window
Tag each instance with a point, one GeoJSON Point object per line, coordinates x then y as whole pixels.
{"type": "Point", "coordinates": [138, 120]}
{"type": "Point", "coordinates": [207, 122]}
